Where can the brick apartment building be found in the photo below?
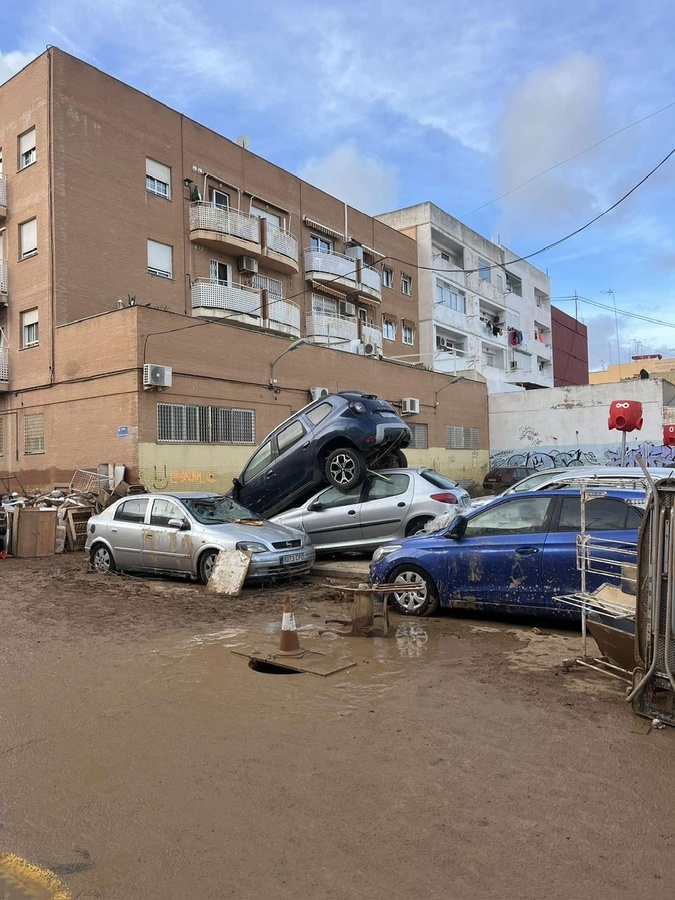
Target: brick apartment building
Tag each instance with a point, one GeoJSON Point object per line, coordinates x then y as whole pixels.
{"type": "Point", "coordinates": [152, 274]}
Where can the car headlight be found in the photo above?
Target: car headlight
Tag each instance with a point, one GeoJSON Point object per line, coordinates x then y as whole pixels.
{"type": "Point", "coordinates": [385, 550]}
{"type": "Point", "coordinates": [252, 547]}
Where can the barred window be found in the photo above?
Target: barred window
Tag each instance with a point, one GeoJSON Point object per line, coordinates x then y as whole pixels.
{"type": "Point", "coordinates": [205, 424]}
{"type": "Point", "coordinates": [34, 433]}
{"type": "Point", "coordinates": [420, 436]}
{"type": "Point", "coordinates": [459, 438]}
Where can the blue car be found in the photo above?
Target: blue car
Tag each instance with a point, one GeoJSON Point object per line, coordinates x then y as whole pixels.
{"type": "Point", "coordinates": [515, 555]}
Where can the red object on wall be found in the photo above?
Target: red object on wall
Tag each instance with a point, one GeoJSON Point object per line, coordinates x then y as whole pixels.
{"type": "Point", "coordinates": [669, 435]}
{"type": "Point", "coordinates": [625, 415]}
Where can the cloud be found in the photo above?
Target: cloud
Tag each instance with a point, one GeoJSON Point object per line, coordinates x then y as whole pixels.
{"type": "Point", "coordinates": [362, 181]}
{"type": "Point", "coordinates": [13, 62]}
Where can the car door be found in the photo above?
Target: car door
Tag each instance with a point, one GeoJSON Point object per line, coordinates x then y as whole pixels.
{"type": "Point", "coordinates": [126, 532]}
{"type": "Point", "coordinates": [385, 505]}
{"type": "Point", "coordinates": [333, 518]}
{"type": "Point", "coordinates": [292, 468]}
{"type": "Point", "coordinates": [164, 547]}
{"type": "Point", "coordinates": [612, 525]}
{"type": "Point", "coordinates": [498, 561]}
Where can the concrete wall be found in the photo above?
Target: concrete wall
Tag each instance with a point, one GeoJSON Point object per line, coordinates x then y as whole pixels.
{"type": "Point", "coordinates": [568, 425]}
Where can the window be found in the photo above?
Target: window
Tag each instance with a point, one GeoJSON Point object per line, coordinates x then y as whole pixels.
{"type": "Point", "coordinates": [499, 281]}
{"type": "Point", "coordinates": [160, 259]}
{"type": "Point", "coordinates": [30, 332]}
{"type": "Point", "coordinates": [388, 329]}
{"type": "Point", "coordinates": [163, 510]}
{"type": "Point", "coordinates": [28, 238]}
{"type": "Point", "coordinates": [514, 284]}
{"type": "Point", "coordinates": [484, 270]}
{"type": "Point", "coordinates": [259, 461]}
{"type": "Point", "coordinates": [290, 435]}
{"type": "Point", "coordinates": [387, 277]}
{"type": "Point", "coordinates": [320, 245]}
{"type": "Point", "coordinates": [420, 436]}
{"type": "Point", "coordinates": [272, 285]}
{"type": "Point", "coordinates": [323, 306]}
{"type": "Point", "coordinates": [406, 285]}
{"type": "Point", "coordinates": [34, 433]}
{"type": "Point", "coordinates": [446, 295]}
{"type": "Point", "coordinates": [407, 334]}
{"type": "Point", "coordinates": [205, 424]}
{"type": "Point", "coordinates": [319, 413]}
{"type": "Point", "coordinates": [271, 217]}
{"type": "Point", "coordinates": [132, 511]}
{"type": "Point", "coordinates": [157, 178]}
{"type": "Point", "coordinates": [602, 514]}
{"type": "Point", "coordinates": [219, 272]}
{"type": "Point", "coordinates": [219, 199]}
{"type": "Point", "coordinates": [27, 149]}
{"type": "Point", "coordinates": [391, 486]}
{"type": "Point", "coordinates": [458, 437]}
{"type": "Point", "coordinates": [333, 498]}
{"type": "Point", "coordinates": [524, 515]}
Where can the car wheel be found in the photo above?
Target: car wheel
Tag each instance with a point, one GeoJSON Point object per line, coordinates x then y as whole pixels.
{"type": "Point", "coordinates": [418, 595]}
{"type": "Point", "coordinates": [101, 559]}
{"type": "Point", "coordinates": [345, 468]}
{"type": "Point", "coordinates": [416, 526]}
{"type": "Point", "coordinates": [206, 564]}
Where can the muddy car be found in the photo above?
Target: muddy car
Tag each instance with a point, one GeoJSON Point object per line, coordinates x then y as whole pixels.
{"type": "Point", "coordinates": [333, 441]}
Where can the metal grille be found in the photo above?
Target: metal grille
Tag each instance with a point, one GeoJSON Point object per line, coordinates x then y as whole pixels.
{"type": "Point", "coordinates": [2, 437]}
{"type": "Point", "coordinates": [34, 433]}
{"type": "Point", "coordinates": [458, 437]}
{"type": "Point", "coordinates": [177, 422]}
{"type": "Point", "coordinates": [420, 437]}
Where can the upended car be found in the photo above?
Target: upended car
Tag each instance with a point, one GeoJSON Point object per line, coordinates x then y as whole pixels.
{"type": "Point", "coordinates": [182, 533]}
{"type": "Point", "coordinates": [388, 504]}
{"type": "Point", "coordinates": [333, 441]}
{"type": "Point", "coordinates": [517, 555]}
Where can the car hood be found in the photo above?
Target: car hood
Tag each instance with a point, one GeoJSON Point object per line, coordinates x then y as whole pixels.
{"type": "Point", "coordinates": [268, 532]}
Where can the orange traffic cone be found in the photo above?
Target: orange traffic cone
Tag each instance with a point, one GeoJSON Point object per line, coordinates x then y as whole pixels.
{"type": "Point", "coordinates": [289, 643]}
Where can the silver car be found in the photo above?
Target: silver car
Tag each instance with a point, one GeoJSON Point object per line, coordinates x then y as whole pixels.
{"type": "Point", "coordinates": [183, 533]}
{"type": "Point", "coordinates": [389, 504]}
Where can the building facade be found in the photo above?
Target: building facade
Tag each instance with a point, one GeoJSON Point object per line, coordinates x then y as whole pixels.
{"type": "Point", "coordinates": [481, 310]}
{"type": "Point", "coordinates": [152, 274]}
{"type": "Point", "coordinates": [651, 365]}
{"type": "Point", "coordinates": [570, 349]}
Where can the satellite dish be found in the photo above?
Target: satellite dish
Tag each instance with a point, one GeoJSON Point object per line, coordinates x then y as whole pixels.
{"type": "Point", "coordinates": [243, 141]}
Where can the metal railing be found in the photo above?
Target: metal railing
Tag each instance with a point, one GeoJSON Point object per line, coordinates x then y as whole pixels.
{"type": "Point", "coordinates": [3, 191]}
{"type": "Point", "coordinates": [4, 364]}
{"type": "Point", "coordinates": [207, 217]}
{"type": "Point", "coordinates": [332, 327]}
{"type": "Point", "coordinates": [331, 263]}
{"type": "Point", "coordinates": [281, 241]}
{"type": "Point", "coordinates": [370, 278]}
{"type": "Point", "coordinates": [237, 298]}
{"type": "Point", "coordinates": [284, 312]}
{"type": "Point", "coordinates": [3, 277]}
{"type": "Point", "coordinates": [372, 335]}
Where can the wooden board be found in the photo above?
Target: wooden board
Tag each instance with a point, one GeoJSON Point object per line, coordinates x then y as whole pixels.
{"type": "Point", "coordinates": [229, 573]}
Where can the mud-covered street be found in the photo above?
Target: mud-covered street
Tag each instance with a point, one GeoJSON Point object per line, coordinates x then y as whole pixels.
{"type": "Point", "coordinates": [141, 758]}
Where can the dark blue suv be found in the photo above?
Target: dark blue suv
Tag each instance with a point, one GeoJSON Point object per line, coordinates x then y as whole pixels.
{"type": "Point", "coordinates": [334, 440]}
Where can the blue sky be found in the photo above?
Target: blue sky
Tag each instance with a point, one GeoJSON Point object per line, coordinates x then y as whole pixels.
{"type": "Point", "coordinates": [521, 118]}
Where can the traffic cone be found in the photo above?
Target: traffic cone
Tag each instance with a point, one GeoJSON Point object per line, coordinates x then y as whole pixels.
{"type": "Point", "coordinates": [289, 643]}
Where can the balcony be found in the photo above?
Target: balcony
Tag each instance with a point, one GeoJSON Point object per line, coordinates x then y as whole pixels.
{"type": "Point", "coordinates": [217, 300]}
{"type": "Point", "coordinates": [4, 369]}
{"type": "Point", "coordinates": [281, 249]}
{"type": "Point", "coordinates": [332, 329]}
{"type": "Point", "coordinates": [449, 271]}
{"type": "Point", "coordinates": [3, 197]}
{"type": "Point", "coordinates": [338, 271]}
{"type": "Point", "coordinates": [372, 335]}
{"type": "Point", "coordinates": [3, 283]}
{"type": "Point", "coordinates": [225, 230]}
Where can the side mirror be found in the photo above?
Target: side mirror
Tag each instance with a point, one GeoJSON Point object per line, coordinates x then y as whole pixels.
{"type": "Point", "coordinates": [178, 524]}
{"type": "Point", "coordinates": [457, 529]}
{"type": "Point", "coordinates": [313, 507]}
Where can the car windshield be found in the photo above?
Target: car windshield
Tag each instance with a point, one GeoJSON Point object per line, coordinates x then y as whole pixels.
{"type": "Point", "coordinates": [218, 510]}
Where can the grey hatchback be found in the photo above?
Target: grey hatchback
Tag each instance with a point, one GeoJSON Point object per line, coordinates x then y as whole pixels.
{"type": "Point", "coordinates": [182, 533]}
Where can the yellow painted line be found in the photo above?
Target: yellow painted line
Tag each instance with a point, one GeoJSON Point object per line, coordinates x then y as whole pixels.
{"type": "Point", "coordinates": [29, 881]}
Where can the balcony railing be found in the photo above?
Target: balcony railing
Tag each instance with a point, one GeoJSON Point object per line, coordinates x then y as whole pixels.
{"type": "Point", "coordinates": [4, 366]}
{"type": "Point", "coordinates": [281, 241]}
{"type": "Point", "coordinates": [335, 264]}
{"type": "Point", "coordinates": [371, 279]}
{"type": "Point", "coordinates": [326, 329]}
{"type": "Point", "coordinates": [3, 192]}
{"type": "Point", "coordinates": [372, 335]}
{"type": "Point", "coordinates": [207, 217]}
{"type": "Point", "coordinates": [3, 277]}
{"type": "Point", "coordinates": [235, 298]}
{"type": "Point", "coordinates": [283, 315]}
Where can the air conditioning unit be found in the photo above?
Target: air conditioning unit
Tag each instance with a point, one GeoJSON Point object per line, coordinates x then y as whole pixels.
{"type": "Point", "coordinates": [248, 265]}
{"type": "Point", "coordinates": [410, 406]}
{"type": "Point", "coordinates": [157, 376]}
{"type": "Point", "coordinates": [347, 309]}
{"type": "Point", "coordinates": [316, 393]}
{"type": "Point", "coordinates": [370, 349]}
{"type": "Point", "coordinates": [441, 343]}
{"type": "Point", "coordinates": [514, 364]}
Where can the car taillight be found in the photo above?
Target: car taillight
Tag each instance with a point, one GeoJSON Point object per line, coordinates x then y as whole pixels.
{"type": "Point", "coordinates": [445, 498]}
{"type": "Point", "coordinates": [357, 407]}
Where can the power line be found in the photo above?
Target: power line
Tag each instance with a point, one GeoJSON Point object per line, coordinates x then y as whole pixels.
{"type": "Point", "coordinates": [629, 315]}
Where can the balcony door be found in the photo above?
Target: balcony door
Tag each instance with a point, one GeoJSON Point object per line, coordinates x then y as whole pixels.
{"type": "Point", "coordinates": [220, 272]}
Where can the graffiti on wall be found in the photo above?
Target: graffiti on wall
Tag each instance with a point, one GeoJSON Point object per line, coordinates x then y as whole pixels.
{"type": "Point", "coordinates": [653, 455]}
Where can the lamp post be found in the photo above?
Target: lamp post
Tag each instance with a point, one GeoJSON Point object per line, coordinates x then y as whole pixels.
{"type": "Point", "coordinates": [272, 385]}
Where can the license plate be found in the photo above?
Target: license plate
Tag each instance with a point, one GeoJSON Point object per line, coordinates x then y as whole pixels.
{"type": "Point", "coordinates": [290, 558]}
{"type": "Point", "coordinates": [388, 415]}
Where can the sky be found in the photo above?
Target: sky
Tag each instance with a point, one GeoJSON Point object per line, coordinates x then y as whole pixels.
{"type": "Point", "coordinates": [525, 119]}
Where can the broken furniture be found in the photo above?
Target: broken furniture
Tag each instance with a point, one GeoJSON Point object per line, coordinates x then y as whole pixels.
{"type": "Point", "coordinates": [362, 620]}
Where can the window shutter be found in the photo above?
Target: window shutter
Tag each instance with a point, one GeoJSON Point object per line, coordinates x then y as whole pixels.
{"type": "Point", "coordinates": [29, 236]}
{"type": "Point", "coordinates": [159, 257]}
{"type": "Point", "coordinates": [157, 171]}
{"type": "Point", "coordinates": [27, 142]}
{"type": "Point", "coordinates": [29, 317]}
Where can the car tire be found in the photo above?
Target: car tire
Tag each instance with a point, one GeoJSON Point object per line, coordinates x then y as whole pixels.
{"type": "Point", "coordinates": [416, 526]}
{"type": "Point", "coordinates": [101, 559]}
{"type": "Point", "coordinates": [345, 468]}
{"type": "Point", "coordinates": [419, 597]}
{"type": "Point", "coordinates": [206, 562]}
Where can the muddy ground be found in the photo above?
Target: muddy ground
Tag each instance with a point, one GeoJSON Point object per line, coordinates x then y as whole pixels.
{"type": "Point", "coordinates": [140, 757]}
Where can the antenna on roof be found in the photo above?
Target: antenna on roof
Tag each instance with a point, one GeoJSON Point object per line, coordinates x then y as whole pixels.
{"type": "Point", "coordinates": [243, 141]}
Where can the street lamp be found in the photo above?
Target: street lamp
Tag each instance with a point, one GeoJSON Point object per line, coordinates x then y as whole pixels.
{"type": "Point", "coordinates": [294, 346]}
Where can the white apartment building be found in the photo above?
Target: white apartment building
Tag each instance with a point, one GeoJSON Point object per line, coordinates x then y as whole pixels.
{"type": "Point", "coordinates": [480, 312]}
